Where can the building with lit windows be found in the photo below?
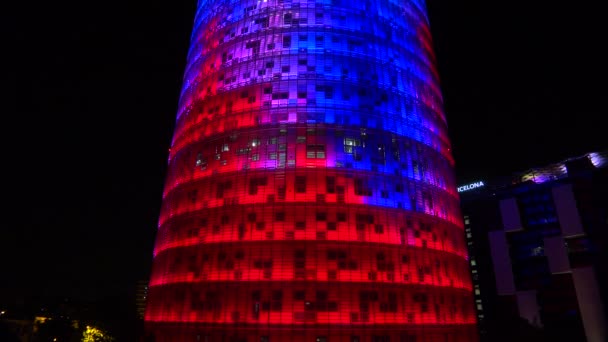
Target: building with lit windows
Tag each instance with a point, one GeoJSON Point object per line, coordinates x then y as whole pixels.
{"type": "Point", "coordinates": [538, 250]}
{"type": "Point", "coordinates": [141, 295]}
{"type": "Point", "coordinates": [310, 194]}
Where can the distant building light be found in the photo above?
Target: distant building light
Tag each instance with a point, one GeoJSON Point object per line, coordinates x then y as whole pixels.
{"type": "Point", "coordinates": [41, 319]}
{"type": "Point", "coordinates": [470, 186]}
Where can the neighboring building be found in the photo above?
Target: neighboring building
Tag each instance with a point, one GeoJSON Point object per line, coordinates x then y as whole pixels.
{"type": "Point", "coordinates": [310, 193]}
{"type": "Point", "coordinates": [538, 248]}
{"type": "Point", "coordinates": [141, 296]}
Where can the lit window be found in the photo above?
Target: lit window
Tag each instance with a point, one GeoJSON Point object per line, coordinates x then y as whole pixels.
{"type": "Point", "coordinates": [200, 160]}
{"type": "Point", "coordinates": [315, 151]}
{"type": "Point", "coordinates": [352, 142]}
{"type": "Point", "coordinates": [243, 150]}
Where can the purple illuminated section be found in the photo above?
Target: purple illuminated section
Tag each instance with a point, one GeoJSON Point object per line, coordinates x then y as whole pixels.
{"type": "Point", "coordinates": [559, 170]}
{"type": "Point", "coordinates": [599, 159]}
{"type": "Point", "coordinates": [310, 193]}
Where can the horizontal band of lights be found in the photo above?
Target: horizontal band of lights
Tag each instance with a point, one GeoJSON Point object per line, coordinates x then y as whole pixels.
{"type": "Point", "coordinates": [310, 194]}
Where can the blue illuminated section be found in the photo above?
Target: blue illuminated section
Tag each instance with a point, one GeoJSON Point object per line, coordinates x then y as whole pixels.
{"type": "Point", "coordinates": [386, 59]}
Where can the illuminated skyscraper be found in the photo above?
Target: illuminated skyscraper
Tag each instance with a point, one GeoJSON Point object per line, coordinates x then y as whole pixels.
{"type": "Point", "coordinates": [310, 193]}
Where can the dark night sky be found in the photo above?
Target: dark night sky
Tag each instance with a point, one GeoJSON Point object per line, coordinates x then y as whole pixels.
{"type": "Point", "coordinates": [89, 97]}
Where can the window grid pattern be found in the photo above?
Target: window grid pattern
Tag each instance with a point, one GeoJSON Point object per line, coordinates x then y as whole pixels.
{"type": "Point", "coordinates": [310, 193]}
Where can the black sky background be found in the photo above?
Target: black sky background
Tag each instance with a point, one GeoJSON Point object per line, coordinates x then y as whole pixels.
{"type": "Point", "coordinates": [90, 89]}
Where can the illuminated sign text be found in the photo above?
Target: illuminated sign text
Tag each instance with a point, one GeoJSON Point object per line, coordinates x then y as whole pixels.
{"type": "Point", "coordinates": [470, 186]}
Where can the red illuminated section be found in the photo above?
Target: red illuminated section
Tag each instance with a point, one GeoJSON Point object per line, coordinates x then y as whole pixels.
{"type": "Point", "coordinates": [310, 193]}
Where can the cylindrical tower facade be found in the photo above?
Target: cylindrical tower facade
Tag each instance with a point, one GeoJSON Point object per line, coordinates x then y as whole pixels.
{"type": "Point", "coordinates": [310, 194]}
